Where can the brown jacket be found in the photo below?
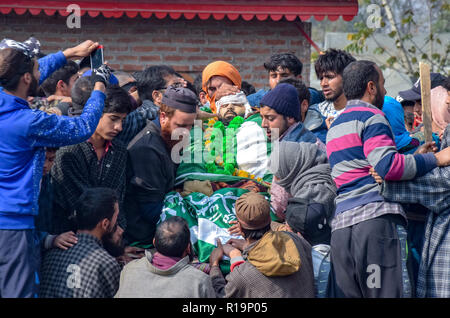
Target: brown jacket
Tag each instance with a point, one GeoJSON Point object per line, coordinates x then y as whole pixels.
{"type": "Point", "coordinates": [247, 281]}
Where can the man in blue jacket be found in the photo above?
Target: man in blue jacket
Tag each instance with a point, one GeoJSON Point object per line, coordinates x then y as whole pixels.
{"type": "Point", "coordinates": [281, 120]}
{"type": "Point", "coordinates": [24, 134]}
{"type": "Point", "coordinates": [281, 116]}
{"type": "Point", "coordinates": [282, 66]}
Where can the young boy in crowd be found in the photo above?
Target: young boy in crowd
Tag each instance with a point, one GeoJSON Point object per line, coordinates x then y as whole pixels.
{"type": "Point", "coordinates": [329, 68]}
{"type": "Point", "coordinates": [43, 221]}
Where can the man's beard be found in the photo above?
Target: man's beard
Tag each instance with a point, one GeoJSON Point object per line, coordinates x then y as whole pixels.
{"type": "Point", "coordinates": [191, 253]}
{"type": "Point", "coordinates": [379, 99]}
{"type": "Point", "coordinates": [225, 119]}
{"type": "Point", "coordinates": [336, 95]}
{"type": "Point", "coordinates": [166, 135]}
{"type": "Point", "coordinates": [32, 90]}
{"type": "Point", "coordinates": [115, 249]}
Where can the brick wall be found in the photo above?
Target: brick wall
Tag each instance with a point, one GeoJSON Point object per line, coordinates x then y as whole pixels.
{"type": "Point", "coordinates": [186, 45]}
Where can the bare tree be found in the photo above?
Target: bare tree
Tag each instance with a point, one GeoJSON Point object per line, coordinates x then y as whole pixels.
{"type": "Point", "coordinates": [401, 19]}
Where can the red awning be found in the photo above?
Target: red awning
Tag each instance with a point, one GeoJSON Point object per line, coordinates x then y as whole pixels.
{"type": "Point", "coordinates": [204, 9]}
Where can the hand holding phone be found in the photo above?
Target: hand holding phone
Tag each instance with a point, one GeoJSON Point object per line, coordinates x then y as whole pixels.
{"type": "Point", "coordinates": [96, 58]}
{"type": "Point", "coordinates": [101, 74]}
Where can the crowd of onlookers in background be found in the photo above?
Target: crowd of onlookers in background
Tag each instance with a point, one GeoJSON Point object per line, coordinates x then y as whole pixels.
{"type": "Point", "coordinates": [359, 200]}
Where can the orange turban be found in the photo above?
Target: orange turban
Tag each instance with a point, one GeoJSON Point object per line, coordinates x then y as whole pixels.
{"type": "Point", "coordinates": [219, 68]}
{"type": "Point", "coordinates": [439, 109]}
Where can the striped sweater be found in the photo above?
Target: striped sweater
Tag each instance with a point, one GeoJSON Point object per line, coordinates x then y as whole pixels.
{"type": "Point", "coordinates": [361, 138]}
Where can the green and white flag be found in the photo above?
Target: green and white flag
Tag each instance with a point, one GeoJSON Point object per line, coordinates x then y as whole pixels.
{"type": "Point", "coordinates": [208, 217]}
{"type": "Point", "coordinates": [252, 153]}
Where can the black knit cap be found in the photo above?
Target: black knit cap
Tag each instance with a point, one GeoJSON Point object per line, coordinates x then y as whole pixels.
{"type": "Point", "coordinates": [180, 98]}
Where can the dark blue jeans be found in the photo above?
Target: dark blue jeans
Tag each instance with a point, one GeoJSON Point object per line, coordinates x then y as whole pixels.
{"type": "Point", "coordinates": [19, 257]}
{"type": "Point", "coordinates": [416, 232]}
{"type": "Point", "coordinates": [141, 221]}
{"type": "Point", "coordinates": [370, 260]}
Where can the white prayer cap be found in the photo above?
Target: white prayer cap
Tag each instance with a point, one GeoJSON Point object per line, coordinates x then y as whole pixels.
{"type": "Point", "coordinates": [238, 98]}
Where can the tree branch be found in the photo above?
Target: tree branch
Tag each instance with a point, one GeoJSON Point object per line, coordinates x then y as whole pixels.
{"type": "Point", "coordinates": [429, 25]}
{"type": "Point", "coordinates": [402, 52]}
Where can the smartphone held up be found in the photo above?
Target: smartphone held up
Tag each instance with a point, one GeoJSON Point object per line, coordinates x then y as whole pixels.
{"type": "Point", "coordinates": [96, 58]}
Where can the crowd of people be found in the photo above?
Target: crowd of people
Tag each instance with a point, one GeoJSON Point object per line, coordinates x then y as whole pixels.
{"type": "Point", "coordinates": [147, 185]}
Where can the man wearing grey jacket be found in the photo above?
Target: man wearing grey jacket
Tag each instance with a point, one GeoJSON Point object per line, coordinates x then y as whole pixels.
{"type": "Point", "coordinates": [166, 273]}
